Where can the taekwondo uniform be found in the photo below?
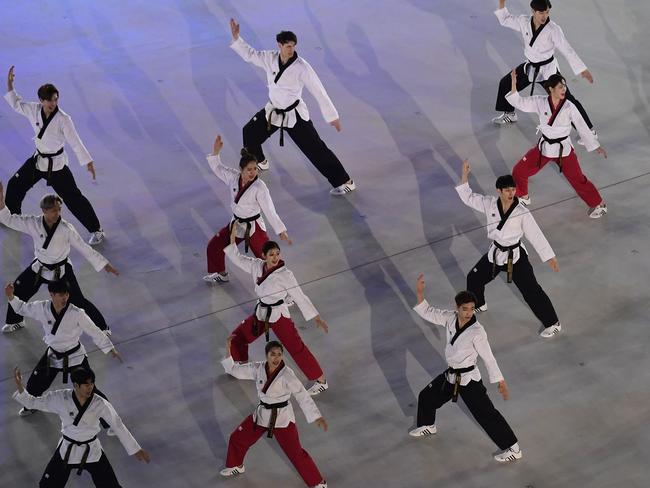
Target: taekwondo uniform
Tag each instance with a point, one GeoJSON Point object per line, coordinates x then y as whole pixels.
{"type": "Point", "coordinates": [273, 416]}
{"type": "Point", "coordinates": [51, 263]}
{"type": "Point", "coordinates": [539, 49]}
{"type": "Point", "coordinates": [79, 447]}
{"type": "Point", "coordinates": [50, 161]}
{"type": "Point", "coordinates": [274, 288]}
{"type": "Point", "coordinates": [247, 204]}
{"type": "Point", "coordinates": [288, 112]}
{"type": "Point", "coordinates": [508, 253]}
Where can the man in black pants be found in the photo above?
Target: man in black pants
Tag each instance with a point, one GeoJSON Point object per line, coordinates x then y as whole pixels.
{"type": "Point", "coordinates": [52, 237]}
{"type": "Point", "coordinates": [53, 128]}
{"type": "Point", "coordinates": [287, 74]}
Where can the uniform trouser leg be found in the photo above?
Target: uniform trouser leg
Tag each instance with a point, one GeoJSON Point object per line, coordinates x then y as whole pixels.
{"type": "Point", "coordinates": [77, 298]}
{"type": "Point", "coordinates": [56, 473]}
{"type": "Point", "coordinates": [569, 96]}
{"type": "Point", "coordinates": [216, 256]}
{"type": "Point", "coordinates": [286, 331]}
{"type": "Point", "coordinates": [505, 84]}
{"type": "Point", "coordinates": [20, 183]}
{"type": "Point", "coordinates": [289, 441]}
{"type": "Point", "coordinates": [25, 286]}
{"type": "Point", "coordinates": [257, 241]}
{"type": "Point", "coordinates": [42, 377]}
{"type": "Point", "coordinates": [536, 298]}
{"type": "Point", "coordinates": [255, 132]}
{"type": "Point", "coordinates": [65, 186]}
{"type": "Point", "coordinates": [242, 336]}
{"type": "Point", "coordinates": [489, 418]}
{"type": "Point", "coordinates": [431, 398]}
{"type": "Point", "coordinates": [580, 183]}
{"type": "Point", "coordinates": [528, 166]}
{"type": "Point", "coordinates": [242, 438]}
{"type": "Point", "coordinates": [480, 275]}
{"type": "Point", "coordinates": [324, 160]}
{"type": "Point", "coordinates": [102, 473]}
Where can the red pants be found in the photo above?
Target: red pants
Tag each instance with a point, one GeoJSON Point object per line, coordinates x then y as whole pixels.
{"type": "Point", "coordinates": [247, 434]}
{"type": "Point", "coordinates": [288, 336]}
{"type": "Point", "coordinates": [216, 257]}
{"type": "Point", "coordinates": [530, 165]}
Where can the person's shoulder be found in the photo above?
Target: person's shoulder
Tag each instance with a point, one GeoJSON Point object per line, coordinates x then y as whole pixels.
{"type": "Point", "coordinates": [75, 309]}
{"type": "Point", "coordinates": [63, 115]}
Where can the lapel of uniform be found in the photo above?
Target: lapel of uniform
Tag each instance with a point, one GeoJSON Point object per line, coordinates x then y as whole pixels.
{"type": "Point", "coordinates": [50, 232]}
{"type": "Point", "coordinates": [243, 189]}
{"type": "Point", "coordinates": [505, 216]}
{"type": "Point", "coordinates": [537, 32]}
{"type": "Point", "coordinates": [283, 67]}
{"type": "Point", "coordinates": [81, 408]}
{"type": "Point", "coordinates": [57, 317]}
{"type": "Point", "coordinates": [267, 272]}
{"type": "Point", "coordinates": [271, 378]}
{"type": "Point", "coordinates": [555, 110]}
{"type": "Point", "coordinates": [46, 120]}
{"type": "Point", "coordinates": [459, 331]}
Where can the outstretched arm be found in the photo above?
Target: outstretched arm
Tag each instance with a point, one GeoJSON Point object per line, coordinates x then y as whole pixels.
{"type": "Point", "coordinates": [474, 200]}
{"type": "Point", "coordinates": [223, 172]}
{"type": "Point", "coordinates": [247, 53]}
{"type": "Point", "coordinates": [426, 311]}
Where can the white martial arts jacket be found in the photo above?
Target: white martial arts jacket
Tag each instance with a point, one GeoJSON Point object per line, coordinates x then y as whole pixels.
{"type": "Point", "coordinates": [281, 284]}
{"type": "Point", "coordinates": [520, 224]}
{"type": "Point", "coordinates": [65, 404]}
{"type": "Point", "coordinates": [58, 249]}
{"type": "Point", "coordinates": [67, 334]}
{"type": "Point", "coordinates": [280, 390]}
{"type": "Point", "coordinates": [255, 199]}
{"type": "Point", "coordinates": [471, 342]}
{"type": "Point", "coordinates": [550, 37]}
{"type": "Point", "coordinates": [289, 86]}
{"type": "Point", "coordinates": [59, 131]}
{"type": "Point", "coordinates": [541, 105]}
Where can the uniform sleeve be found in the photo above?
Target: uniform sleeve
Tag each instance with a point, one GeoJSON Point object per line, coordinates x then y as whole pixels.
{"type": "Point", "coordinates": [73, 139]}
{"type": "Point", "coordinates": [49, 402]}
{"type": "Point", "coordinates": [265, 202]}
{"type": "Point", "coordinates": [304, 399]}
{"type": "Point", "coordinates": [565, 48]}
{"type": "Point", "coordinates": [98, 336]}
{"type": "Point", "coordinates": [21, 223]}
{"type": "Point", "coordinates": [482, 346]}
{"type": "Point", "coordinates": [506, 19]}
{"type": "Point", "coordinates": [525, 104]}
{"type": "Point", "coordinates": [245, 263]}
{"type": "Point", "coordinates": [93, 257]}
{"type": "Point", "coordinates": [534, 235]}
{"type": "Point", "coordinates": [126, 438]}
{"type": "Point", "coordinates": [587, 136]}
{"type": "Point", "coordinates": [223, 172]}
{"type": "Point", "coordinates": [474, 200]}
{"type": "Point", "coordinates": [304, 303]}
{"type": "Point", "coordinates": [241, 371]}
{"type": "Point", "coordinates": [432, 314]}
{"type": "Point", "coordinates": [16, 102]}
{"type": "Point", "coordinates": [316, 88]}
{"type": "Point", "coordinates": [250, 55]}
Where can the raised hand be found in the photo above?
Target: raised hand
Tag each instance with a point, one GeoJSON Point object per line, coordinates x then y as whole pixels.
{"type": "Point", "coordinates": [513, 79]}
{"type": "Point", "coordinates": [228, 345]}
{"type": "Point", "coordinates": [233, 233]}
{"type": "Point", "coordinates": [2, 197]}
{"type": "Point", "coordinates": [217, 146]}
{"type": "Point", "coordinates": [18, 379]}
{"type": "Point", "coordinates": [9, 291]}
{"type": "Point", "coordinates": [465, 170]}
{"type": "Point", "coordinates": [234, 29]}
{"type": "Point", "coordinates": [10, 79]}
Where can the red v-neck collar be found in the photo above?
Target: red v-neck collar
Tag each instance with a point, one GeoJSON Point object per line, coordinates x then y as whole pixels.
{"type": "Point", "coordinates": [267, 272]}
{"type": "Point", "coordinates": [271, 377]}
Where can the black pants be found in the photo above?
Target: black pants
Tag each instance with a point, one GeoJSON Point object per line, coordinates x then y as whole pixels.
{"type": "Point", "coordinates": [522, 82]}
{"type": "Point", "coordinates": [63, 183]}
{"type": "Point", "coordinates": [306, 138]}
{"type": "Point", "coordinates": [524, 279]}
{"type": "Point", "coordinates": [57, 473]}
{"type": "Point", "coordinates": [474, 394]}
{"type": "Point", "coordinates": [27, 284]}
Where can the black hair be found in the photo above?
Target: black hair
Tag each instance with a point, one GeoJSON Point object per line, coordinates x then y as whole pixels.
{"type": "Point", "coordinates": [47, 91]}
{"type": "Point", "coordinates": [463, 297]}
{"type": "Point", "coordinates": [269, 245]}
{"type": "Point", "coordinates": [286, 36]}
{"type": "Point", "coordinates": [553, 81]}
{"type": "Point", "coordinates": [505, 181]}
{"type": "Point", "coordinates": [81, 375]}
{"type": "Point", "coordinates": [540, 5]}
{"type": "Point", "coordinates": [272, 345]}
{"type": "Point", "coordinates": [246, 158]}
{"type": "Point", "coordinates": [60, 286]}
{"type": "Point", "coordinates": [50, 200]}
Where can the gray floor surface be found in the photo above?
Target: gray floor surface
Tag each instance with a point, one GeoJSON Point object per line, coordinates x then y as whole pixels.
{"type": "Point", "coordinates": [150, 83]}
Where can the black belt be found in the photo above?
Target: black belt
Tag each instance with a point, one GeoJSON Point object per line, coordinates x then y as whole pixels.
{"type": "Point", "coordinates": [283, 112]}
{"type": "Point", "coordinates": [545, 140]}
{"type": "Point", "coordinates": [56, 267]}
{"type": "Point", "coordinates": [84, 457]}
{"type": "Point", "coordinates": [65, 356]}
{"type": "Point", "coordinates": [537, 66]}
{"type": "Point", "coordinates": [269, 309]}
{"type": "Point", "coordinates": [274, 414]}
{"type": "Point", "coordinates": [509, 263]}
{"type": "Point", "coordinates": [249, 224]}
{"type": "Point", "coordinates": [458, 372]}
{"type": "Point", "coordinates": [50, 163]}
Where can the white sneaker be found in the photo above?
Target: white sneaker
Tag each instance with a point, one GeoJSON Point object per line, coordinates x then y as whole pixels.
{"type": "Point", "coordinates": [110, 432]}
{"type": "Point", "coordinates": [24, 412]}
{"type": "Point", "coordinates": [96, 237]}
{"type": "Point", "coordinates": [549, 332]}
{"type": "Point", "coordinates": [317, 388]}
{"type": "Point", "coordinates": [344, 188]}
{"type": "Point", "coordinates": [9, 328]}
{"type": "Point", "coordinates": [525, 200]}
{"type": "Point", "coordinates": [216, 278]}
{"type": "Point", "coordinates": [263, 165]}
{"type": "Point", "coordinates": [505, 118]}
{"type": "Point", "coordinates": [232, 471]}
{"type": "Point", "coordinates": [423, 431]}
{"type": "Point", "coordinates": [598, 211]}
{"type": "Point", "coordinates": [509, 455]}
{"type": "Point", "coordinates": [482, 308]}
{"type": "Point", "coordinates": [321, 485]}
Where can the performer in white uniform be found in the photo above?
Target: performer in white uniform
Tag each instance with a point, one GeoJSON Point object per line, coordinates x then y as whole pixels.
{"type": "Point", "coordinates": [53, 128]}
{"type": "Point", "coordinates": [541, 37]}
{"type": "Point", "coordinates": [52, 238]}
{"type": "Point", "coordinates": [276, 287]}
{"type": "Point", "coordinates": [274, 416]}
{"type": "Point", "coordinates": [466, 340]}
{"type": "Point", "coordinates": [63, 323]}
{"type": "Point", "coordinates": [79, 448]}
{"type": "Point", "coordinates": [507, 222]}
{"type": "Point", "coordinates": [249, 198]}
{"type": "Point", "coordinates": [287, 74]}
{"type": "Point", "coordinates": [556, 117]}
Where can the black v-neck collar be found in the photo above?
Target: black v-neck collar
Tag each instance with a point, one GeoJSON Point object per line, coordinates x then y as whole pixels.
{"type": "Point", "coordinates": [49, 231]}
{"type": "Point", "coordinates": [46, 120]}
{"type": "Point", "coordinates": [459, 331]}
{"type": "Point", "coordinates": [537, 32]}
{"type": "Point", "coordinates": [282, 67]}
{"type": "Point", "coordinates": [57, 317]}
{"type": "Point", "coordinates": [270, 378]}
{"type": "Point", "coordinates": [82, 408]}
{"type": "Point", "coordinates": [505, 216]}
{"type": "Point", "coordinates": [242, 189]}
